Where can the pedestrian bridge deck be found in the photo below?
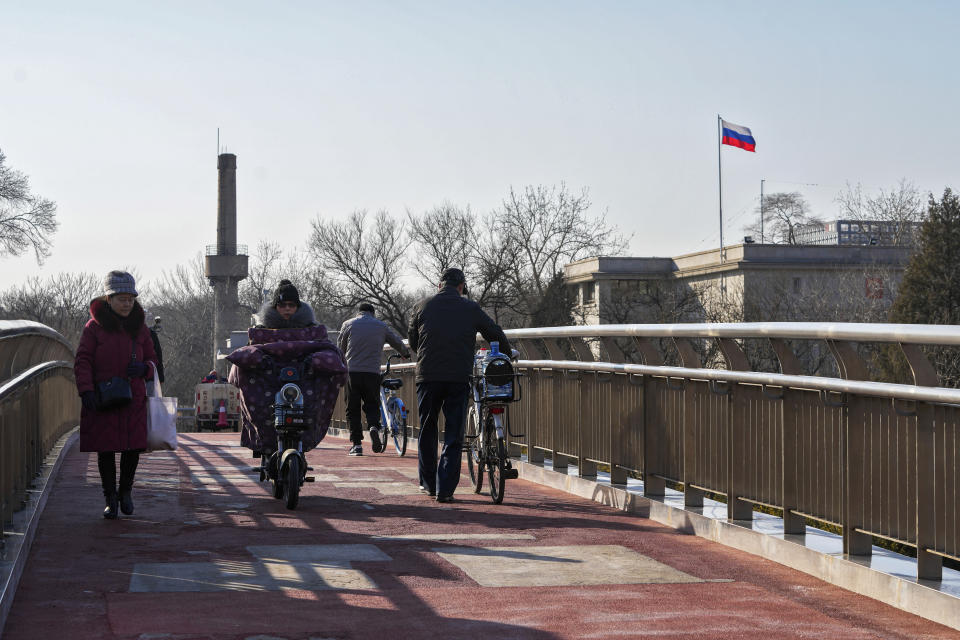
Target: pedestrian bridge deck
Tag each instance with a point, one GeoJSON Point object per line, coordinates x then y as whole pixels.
{"type": "Point", "coordinates": [210, 554]}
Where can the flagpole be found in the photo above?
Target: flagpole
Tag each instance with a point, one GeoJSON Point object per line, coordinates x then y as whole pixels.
{"type": "Point", "coordinates": [720, 179]}
{"type": "Point", "coordinates": [761, 211]}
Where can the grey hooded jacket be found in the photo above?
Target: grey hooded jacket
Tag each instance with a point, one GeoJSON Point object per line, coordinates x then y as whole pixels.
{"type": "Point", "coordinates": [361, 340]}
{"type": "Point", "coordinates": [270, 318]}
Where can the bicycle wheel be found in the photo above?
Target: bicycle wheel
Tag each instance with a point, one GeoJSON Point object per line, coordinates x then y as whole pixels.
{"type": "Point", "coordinates": [474, 453]}
{"type": "Point", "coordinates": [292, 482]}
{"type": "Point", "coordinates": [496, 461]}
{"type": "Point", "coordinates": [399, 428]}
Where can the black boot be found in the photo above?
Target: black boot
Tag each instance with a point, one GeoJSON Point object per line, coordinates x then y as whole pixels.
{"type": "Point", "coordinates": [128, 468]}
{"type": "Point", "coordinates": [106, 462]}
{"type": "Point", "coordinates": [110, 511]}
{"type": "Point", "coordinates": [126, 503]}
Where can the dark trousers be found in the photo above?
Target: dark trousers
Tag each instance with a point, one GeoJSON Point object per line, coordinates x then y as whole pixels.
{"type": "Point", "coordinates": [107, 463]}
{"type": "Point", "coordinates": [432, 398]}
{"type": "Point", "coordinates": [365, 388]}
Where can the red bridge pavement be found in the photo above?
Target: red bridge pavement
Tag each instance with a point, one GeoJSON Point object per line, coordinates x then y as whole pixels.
{"type": "Point", "coordinates": [210, 554]}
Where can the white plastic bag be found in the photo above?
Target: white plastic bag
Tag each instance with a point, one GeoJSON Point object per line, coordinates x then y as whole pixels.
{"type": "Point", "coordinates": [161, 417]}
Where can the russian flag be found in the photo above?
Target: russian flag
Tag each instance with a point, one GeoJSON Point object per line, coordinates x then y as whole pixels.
{"type": "Point", "coordinates": [737, 136]}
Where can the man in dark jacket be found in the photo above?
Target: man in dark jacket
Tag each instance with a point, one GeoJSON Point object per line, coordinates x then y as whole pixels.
{"type": "Point", "coordinates": [443, 332]}
{"type": "Point", "coordinates": [361, 339]}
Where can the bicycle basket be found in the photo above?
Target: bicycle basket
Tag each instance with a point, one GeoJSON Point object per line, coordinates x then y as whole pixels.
{"type": "Point", "coordinates": [497, 380]}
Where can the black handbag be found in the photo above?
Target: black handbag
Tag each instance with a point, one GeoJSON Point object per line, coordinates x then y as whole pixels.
{"type": "Point", "coordinates": [115, 392]}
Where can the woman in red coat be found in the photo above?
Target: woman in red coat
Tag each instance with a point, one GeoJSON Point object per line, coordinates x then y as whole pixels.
{"type": "Point", "coordinates": [115, 343]}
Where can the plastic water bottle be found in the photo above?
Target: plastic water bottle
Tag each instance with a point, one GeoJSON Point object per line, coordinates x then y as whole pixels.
{"type": "Point", "coordinates": [494, 348]}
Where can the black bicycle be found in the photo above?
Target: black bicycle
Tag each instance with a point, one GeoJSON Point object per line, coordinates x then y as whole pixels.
{"type": "Point", "coordinates": [494, 385]}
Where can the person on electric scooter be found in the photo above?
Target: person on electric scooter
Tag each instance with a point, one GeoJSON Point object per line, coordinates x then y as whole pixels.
{"type": "Point", "coordinates": [361, 340]}
{"type": "Point", "coordinates": [443, 331]}
{"type": "Point", "coordinates": [285, 310]}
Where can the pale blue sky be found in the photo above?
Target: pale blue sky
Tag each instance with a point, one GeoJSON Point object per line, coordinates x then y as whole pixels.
{"type": "Point", "coordinates": [112, 110]}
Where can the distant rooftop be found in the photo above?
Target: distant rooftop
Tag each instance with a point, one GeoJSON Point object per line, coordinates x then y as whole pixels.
{"type": "Point", "coordinates": [734, 257]}
{"type": "Point", "coordinates": [858, 232]}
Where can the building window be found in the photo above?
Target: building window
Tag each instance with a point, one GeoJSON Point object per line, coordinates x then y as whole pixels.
{"type": "Point", "coordinates": [589, 293]}
{"type": "Point", "coordinates": [796, 285]}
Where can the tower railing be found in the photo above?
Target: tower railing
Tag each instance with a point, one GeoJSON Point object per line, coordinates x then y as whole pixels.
{"type": "Point", "coordinates": [227, 250]}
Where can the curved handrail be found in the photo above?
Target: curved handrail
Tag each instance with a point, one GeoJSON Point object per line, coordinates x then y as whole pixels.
{"type": "Point", "coordinates": [38, 402]}
{"type": "Point", "coordinates": [24, 344]}
{"type": "Point", "coordinates": [11, 386]}
{"type": "Point", "coordinates": [925, 334]}
{"type": "Point", "coordinates": [814, 383]}
{"type": "Point", "coordinates": [853, 331]}
{"type": "Point", "coordinates": [19, 328]}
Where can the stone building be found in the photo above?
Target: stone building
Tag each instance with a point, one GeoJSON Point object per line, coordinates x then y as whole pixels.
{"type": "Point", "coordinates": [740, 283]}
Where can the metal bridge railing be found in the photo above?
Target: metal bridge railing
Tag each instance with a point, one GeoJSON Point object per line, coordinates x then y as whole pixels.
{"type": "Point", "coordinates": [38, 404]}
{"type": "Point", "coordinates": [875, 459]}
{"type": "Point", "coordinates": [872, 458]}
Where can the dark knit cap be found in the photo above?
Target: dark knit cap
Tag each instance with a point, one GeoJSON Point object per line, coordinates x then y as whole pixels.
{"type": "Point", "coordinates": [286, 292]}
{"type": "Point", "coordinates": [453, 277]}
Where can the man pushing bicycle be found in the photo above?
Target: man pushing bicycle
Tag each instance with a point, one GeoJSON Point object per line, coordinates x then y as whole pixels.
{"type": "Point", "coordinates": [361, 340]}
{"type": "Point", "coordinates": [443, 332]}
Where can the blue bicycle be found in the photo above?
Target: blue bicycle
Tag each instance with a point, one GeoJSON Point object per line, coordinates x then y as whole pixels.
{"type": "Point", "coordinates": [393, 413]}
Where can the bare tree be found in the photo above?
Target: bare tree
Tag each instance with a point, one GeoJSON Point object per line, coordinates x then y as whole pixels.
{"type": "Point", "coordinates": [186, 302]}
{"type": "Point", "coordinates": [780, 215]}
{"type": "Point", "coordinates": [855, 295]}
{"type": "Point", "coordinates": [513, 255]}
{"type": "Point", "coordinates": [313, 284]}
{"type": "Point", "coordinates": [902, 205]}
{"type": "Point", "coordinates": [662, 301]}
{"type": "Point", "coordinates": [261, 275]}
{"type": "Point", "coordinates": [358, 260]}
{"type": "Point", "coordinates": [653, 301]}
{"type": "Point", "coordinates": [555, 308]}
{"type": "Point", "coordinates": [545, 228]}
{"type": "Point", "coordinates": [27, 221]}
{"type": "Point", "coordinates": [494, 260]}
{"type": "Point", "coordinates": [61, 302]}
{"type": "Point", "coordinates": [447, 236]}
{"type": "Point", "coordinates": [443, 236]}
